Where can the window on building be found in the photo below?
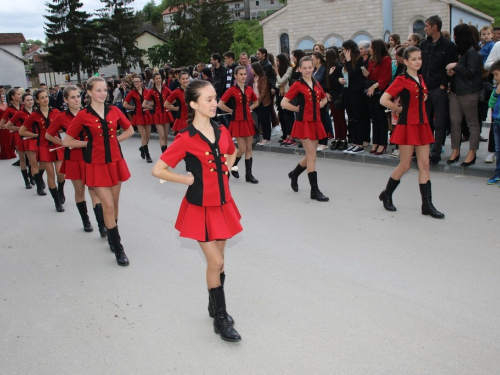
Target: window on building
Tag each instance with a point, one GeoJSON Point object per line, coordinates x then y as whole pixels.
{"type": "Point", "coordinates": [418, 28]}
{"type": "Point", "coordinates": [306, 45]}
{"type": "Point", "coordinates": [257, 3]}
{"type": "Point", "coordinates": [236, 5]}
{"type": "Point", "coordinates": [272, 1]}
{"type": "Point", "coordinates": [237, 14]}
{"type": "Point", "coordinates": [285, 44]}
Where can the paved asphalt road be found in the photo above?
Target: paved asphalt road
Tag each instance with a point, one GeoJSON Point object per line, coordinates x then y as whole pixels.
{"type": "Point", "coordinates": [343, 287]}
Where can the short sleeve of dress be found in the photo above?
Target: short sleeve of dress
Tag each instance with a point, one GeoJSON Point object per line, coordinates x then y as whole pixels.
{"type": "Point", "coordinates": [396, 87]}
{"type": "Point", "coordinates": [253, 97]}
{"type": "Point", "coordinates": [148, 95]}
{"type": "Point", "coordinates": [129, 97]}
{"type": "Point", "coordinates": [76, 125]}
{"type": "Point", "coordinates": [172, 97]}
{"type": "Point", "coordinates": [29, 121]}
{"type": "Point", "coordinates": [293, 92]}
{"type": "Point", "coordinates": [123, 121]}
{"type": "Point", "coordinates": [231, 148]}
{"type": "Point", "coordinates": [56, 125]}
{"type": "Point", "coordinates": [227, 95]}
{"type": "Point", "coordinates": [5, 116]}
{"type": "Point", "coordinates": [175, 152]}
{"type": "Point", "coordinates": [15, 118]}
{"type": "Point", "coordinates": [322, 94]}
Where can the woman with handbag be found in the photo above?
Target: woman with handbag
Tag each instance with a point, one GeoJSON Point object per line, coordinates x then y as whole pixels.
{"type": "Point", "coordinates": [379, 76]}
{"type": "Point", "coordinates": [337, 108]}
{"type": "Point", "coordinates": [283, 74]}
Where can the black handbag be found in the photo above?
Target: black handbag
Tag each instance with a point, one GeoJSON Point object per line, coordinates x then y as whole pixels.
{"type": "Point", "coordinates": [369, 84]}
{"type": "Point", "coordinates": [485, 93]}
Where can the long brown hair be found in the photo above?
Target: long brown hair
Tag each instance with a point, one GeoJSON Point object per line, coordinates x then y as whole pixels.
{"type": "Point", "coordinates": [353, 47]}
{"type": "Point", "coordinates": [379, 51]}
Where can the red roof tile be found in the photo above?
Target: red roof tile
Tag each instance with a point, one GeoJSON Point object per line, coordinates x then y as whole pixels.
{"type": "Point", "coordinates": [12, 38]}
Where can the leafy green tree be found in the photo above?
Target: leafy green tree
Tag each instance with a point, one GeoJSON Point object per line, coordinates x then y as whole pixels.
{"type": "Point", "coordinates": [118, 29]}
{"type": "Point", "coordinates": [160, 54]}
{"type": "Point", "coordinates": [68, 32]}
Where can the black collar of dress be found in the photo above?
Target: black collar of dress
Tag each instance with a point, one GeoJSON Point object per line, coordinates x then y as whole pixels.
{"type": "Point", "coordinates": [192, 131]}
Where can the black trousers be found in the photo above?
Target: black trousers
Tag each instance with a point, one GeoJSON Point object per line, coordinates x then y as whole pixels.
{"type": "Point", "coordinates": [438, 114]}
{"type": "Point", "coordinates": [326, 120]}
{"type": "Point", "coordinates": [379, 120]}
{"type": "Point", "coordinates": [355, 105]}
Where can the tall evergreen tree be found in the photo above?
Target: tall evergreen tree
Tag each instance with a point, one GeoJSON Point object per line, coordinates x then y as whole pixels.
{"type": "Point", "coordinates": [119, 27]}
{"type": "Point", "coordinates": [68, 32]}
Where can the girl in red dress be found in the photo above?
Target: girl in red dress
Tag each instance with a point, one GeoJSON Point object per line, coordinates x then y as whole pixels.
{"type": "Point", "coordinates": [208, 213]}
{"type": "Point", "coordinates": [142, 118]}
{"type": "Point", "coordinates": [36, 126]}
{"type": "Point", "coordinates": [14, 124]}
{"type": "Point", "coordinates": [7, 145]}
{"type": "Point", "coordinates": [73, 166]}
{"type": "Point", "coordinates": [241, 126]}
{"type": "Point", "coordinates": [308, 126]}
{"type": "Point", "coordinates": [412, 132]}
{"type": "Point", "coordinates": [178, 96]}
{"type": "Point", "coordinates": [105, 168]}
{"type": "Point", "coordinates": [162, 117]}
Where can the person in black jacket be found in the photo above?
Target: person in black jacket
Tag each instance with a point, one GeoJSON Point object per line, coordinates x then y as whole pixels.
{"type": "Point", "coordinates": [219, 75]}
{"type": "Point", "coordinates": [437, 53]}
{"type": "Point", "coordinates": [267, 66]}
{"type": "Point", "coordinates": [466, 84]}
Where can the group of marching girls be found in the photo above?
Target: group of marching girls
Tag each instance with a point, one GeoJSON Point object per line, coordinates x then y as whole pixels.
{"type": "Point", "coordinates": [89, 155]}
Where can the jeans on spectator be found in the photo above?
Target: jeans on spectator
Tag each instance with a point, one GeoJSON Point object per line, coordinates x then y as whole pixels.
{"type": "Point", "coordinates": [264, 113]}
{"type": "Point", "coordinates": [379, 120]}
{"type": "Point", "coordinates": [339, 122]}
{"type": "Point", "coordinates": [496, 131]}
{"type": "Point", "coordinates": [438, 116]}
{"type": "Point", "coordinates": [460, 106]}
{"type": "Point", "coordinates": [326, 120]}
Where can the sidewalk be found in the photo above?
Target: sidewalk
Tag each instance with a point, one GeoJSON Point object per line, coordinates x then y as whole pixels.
{"type": "Point", "coordinates": [480, 169]}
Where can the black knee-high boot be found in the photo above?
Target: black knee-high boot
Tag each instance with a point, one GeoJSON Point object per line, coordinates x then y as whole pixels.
{"type": "Point", "coordinates": [82, 209]}
{"type": "Point", "coordinates": [32, 178]}
{"type": "Point", "coordinates": [221, 322]}
{"type": "Point", "coordinates": [315, 192]}
{"type": "Point", "coordinates": [143, 154]}
{"type": "Point", "coordinates": [26, 180]}
{"type": "Point", "coordinates": [60, 191]}
{"type": "Point", "coordinates": [427, 206]}
{"type": "Point", "coordinates": [39, 186]}
{"type": "Point", "coordinates": [99, 216]}
{"type": "Point", "coordinates": [115, 239]}
{"type": "Point", "coordinates": [211, 311]}
{"type": "Point", "coordinates": [146, 152]}
{"type": "Point", "coordinates": [41, 172]}
{"type": "Point", "coordinates": [163, 149]}
{"type": "Point", "coordinates": [57, 202]}
{"type": "Point", "coordinates": [386, 195]}
{"type": "Point", "coordinates": [248, 173]}
{"type": "Point", "coordinates": [294, 176]}
{"type": "Point", "coordinates": [236, 174]}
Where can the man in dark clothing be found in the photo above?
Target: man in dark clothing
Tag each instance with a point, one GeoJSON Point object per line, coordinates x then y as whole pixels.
{"type": "Point", "coordinates": [437, 52]}
{"type": "Point", "coordinates": [266, 65]}
{"type": "Point", "coordinates": [219, 75]}
{"type": "Point", "coordinates": [230, 66]}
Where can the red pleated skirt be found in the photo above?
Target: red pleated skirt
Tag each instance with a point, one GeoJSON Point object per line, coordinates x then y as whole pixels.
{"type": "Point", "coordinates": [142, 119]}
{"type": "Point", "coordinates": [413, 134]}
{"type": "Point", "coordinates": [106, 174]}
{"type": "Point", "coordinates": [45, 155]}
{"type": "Point", "coordinates": [30, 145]}
{"type": "Point", "coordinates": [179, 124]}
{"type": "Point", "coordinates": [163, 118]}
{"type": "Point", "coordinates": [7, 150]}
{"type": "Point", "coordinates": [18, 142]}
{"type": "Point", "coordinates": [73, 169]}
{"type": "Point", "coordinates": [308, 130]}
{"type": "Point", "coordinates": [206, 224]}
{"type": "Point", "coordinates": [242, 128]}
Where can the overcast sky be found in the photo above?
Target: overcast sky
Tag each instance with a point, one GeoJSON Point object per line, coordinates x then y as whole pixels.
{"type": "Point", "coordinates": [26, 16]}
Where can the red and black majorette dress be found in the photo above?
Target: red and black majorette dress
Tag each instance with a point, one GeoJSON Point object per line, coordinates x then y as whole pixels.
{"type": "Point", "coordinates": [413, 127]}
{"type": "Point", "coordinates": [141, 116]}
{"type": "Point", "coordinates": [241, 124]}
{"type": "Point", "coordinates": [177, 99]}
{"type": "Point", "coordinates": [37, 123]}
{"type": "Point", "coordinates": [161, 115]}
{"type": "Point", "coordinates": [7, 139]}
{"type": "Point", "coordinates": [18, 120]}
{"type": "Point", "coordinates": [207, 212]}
{"type": "Point", "coordinates": [104, 162]}
{"type": "Point", "coordinates": [307, 123]}
{"type": "Point", "coordinates": [73, 165]}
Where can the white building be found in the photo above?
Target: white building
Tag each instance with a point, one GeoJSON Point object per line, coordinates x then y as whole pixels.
{"type": "Point", "coordinates": [238, 9]}
{"type": "Point", "coordinates": [301, 24]}
{"type": "Point", "coordinates": [12, 69]}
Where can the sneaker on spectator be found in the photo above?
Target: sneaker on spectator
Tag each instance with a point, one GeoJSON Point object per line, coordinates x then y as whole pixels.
{"type": "Point", "coordinates": [263, 142]}
{"type": "Point", "coordinates": [321, 148]}
{"type": "Point", "coordinates": [349, 149]}
{"type": "Point", "coordinates": [275, 130]}
{"type": "Point", "coordinates": [395, 153]}
{"type": "Point", "coordinates": [357, 150]}
{"type": "Point", "coordinates": [291, 142]}
{"type": "Point", "coordinates": [490, 158]}
{"type": "Point", "coordinates": [494, 181]}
